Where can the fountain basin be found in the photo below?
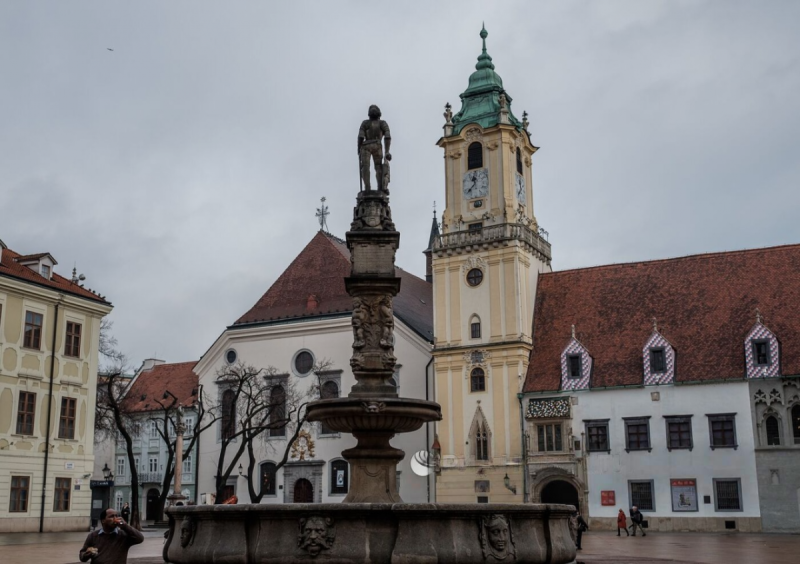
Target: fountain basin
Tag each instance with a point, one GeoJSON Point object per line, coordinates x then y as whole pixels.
{"type": "Point", "coordinates": [396, 415]}
{"type": "Point", "coordinates": [349, 533]}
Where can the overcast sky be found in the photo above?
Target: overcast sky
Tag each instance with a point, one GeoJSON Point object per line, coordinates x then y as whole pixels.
{"type": "Point", "coordinates": [181, 171]}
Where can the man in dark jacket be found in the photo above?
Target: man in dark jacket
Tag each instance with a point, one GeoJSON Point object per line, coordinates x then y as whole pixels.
{"type": "Point", "coordinates": [109, 544]}
{"type": "Point", "coordinates": [581, 526]}
{"type": "Point", "coordinates": [636, 521]}
{"type": "Point", "coordinates": [126, 512]}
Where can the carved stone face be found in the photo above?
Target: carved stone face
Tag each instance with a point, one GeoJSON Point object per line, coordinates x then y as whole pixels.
{"type": "Point", "coordinates": [187, 532]}
{"type": "Point", "coordinates": [496, 539]}
{"type": "Point", "coordinates": [498, 535]}
{"type": "Point", "coordinates": [316, 535]}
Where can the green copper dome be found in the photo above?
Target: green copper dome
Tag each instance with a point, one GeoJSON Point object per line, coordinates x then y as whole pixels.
{"type": "Point", "coordinates": [480, 102]}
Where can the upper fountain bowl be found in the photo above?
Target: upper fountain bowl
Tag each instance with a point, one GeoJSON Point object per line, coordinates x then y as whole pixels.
{"type": "Point", "coordinates": [398, 415]}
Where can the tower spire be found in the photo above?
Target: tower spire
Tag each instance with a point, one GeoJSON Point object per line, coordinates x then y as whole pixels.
{"type": "Point", "coordinates": [484, 60]}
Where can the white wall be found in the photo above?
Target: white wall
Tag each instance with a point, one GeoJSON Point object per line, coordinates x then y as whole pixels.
{"type": "Point", "coordinates": [612, 471]}
{"type": "Point", "coordinates": [331, 339]}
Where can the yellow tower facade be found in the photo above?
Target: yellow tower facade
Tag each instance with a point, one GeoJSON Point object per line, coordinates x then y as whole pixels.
{"type": "Point", "coordinates": [485, 267]}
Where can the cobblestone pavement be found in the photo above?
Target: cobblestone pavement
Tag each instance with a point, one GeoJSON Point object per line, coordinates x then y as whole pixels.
{"type": "Point", "coordinates": [598, 548]}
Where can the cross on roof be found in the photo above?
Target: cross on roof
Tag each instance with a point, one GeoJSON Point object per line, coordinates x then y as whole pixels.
{"type": "Point", "coordinates": [322, 215]}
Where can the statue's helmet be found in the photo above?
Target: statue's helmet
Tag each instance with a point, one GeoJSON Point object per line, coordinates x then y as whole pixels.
{"type": "Point", "coordinates": [374, 112]}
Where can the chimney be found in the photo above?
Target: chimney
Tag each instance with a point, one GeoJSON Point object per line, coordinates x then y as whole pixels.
{"type": "Point", "coordinates": [312, 302]}
{"type": "Point", "coordinates": [150, 363]}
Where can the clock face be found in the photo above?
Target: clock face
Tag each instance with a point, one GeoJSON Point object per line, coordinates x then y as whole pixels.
{"type": "Point", "coordinates": [521, 192]}
{"type": "Point", "coordinates": [476, 183]}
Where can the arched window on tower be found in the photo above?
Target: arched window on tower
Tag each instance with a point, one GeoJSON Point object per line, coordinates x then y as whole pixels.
{"type": "Point", "coordinates": [475, 327]}
{"type": "Point", "coordinates": [773, 431]}
{"type": "Point", "coordinates": [519, 161]}
{"type": "Point", "coordinates": [268, 478]}
{"type": "Point", "coordinates": [477, 380]}
{"type": "Point", "coordinates": [228, 429]}
{"type": "Point", "coordinates": [480, 437]}
{"type": "Point", "coordinates": [277, 414]}
{"type": "Point", "coordinates": [475, 156]}
{"type": "Point", "coordinates": [328, 390]}
{"type": "Point", "coordinates": [796, 424]}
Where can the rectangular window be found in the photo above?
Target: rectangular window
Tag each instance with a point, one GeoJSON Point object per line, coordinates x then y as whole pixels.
{"type": "Point", "coordinates": [120, 466]}
{"type": "Point", "coordinates": [136, 463]}
{"type": "Point", "coordinates": [61, 499]}
{"type": "Point", "coordinates": [44, 270]}
{"type": "Point", "coordinates": [679, 432]}
{"type": "Point", "coordinates": [597, 436]}
{"type": "Point", "coordinates": [25, 413]}
{"type": "Point", "coordinates": [33, 330]}
{"type": "Point", "coordinates": [722, 428]}
{"type": "Point", "coordinates": [549, 438]}
{"type": "Point", "coordinates": [66, 425]}
{"type": "Point", "coordinates": [189, 424]}
{"type": "Point", "coordinates": [574, 364]}
{"type": "Point", "coordinates": [20, 492]}
{"type": "Point", "coordinates": [728, 494]}
{"type": "Point", "coordinates": [187, 465]}
{"type": "Point", "coordinates": [641, 495]}
{"type": "Point", "coordinates": [339, 478]}
{"type": "Point", "coordinates": [153, 429]}
{"type": "Point", "coordinates": [153, 468]}
{"type": "Point", "coordinates": [475, 226]}
{"type": "Point", "coordinates": [658, 361]}
{"type": "Point", "coordinates": [761, 353]}
{"type": "Point", "coordinates": [475, 330]}
{"type": "Point", "coordinates": [73, 343]}
{"type": "Point", "coordinates": [637, 433]}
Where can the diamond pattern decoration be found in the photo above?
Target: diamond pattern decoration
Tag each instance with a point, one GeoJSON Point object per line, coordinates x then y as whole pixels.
{"type": "Point", "coordinates": [657, 340]}
{"type": "Point", "coordinates": [582, 383]}
{"type": "Point", "coordinates": [759, 331]}
{"type": "Point", "coordinates": [548, 408]}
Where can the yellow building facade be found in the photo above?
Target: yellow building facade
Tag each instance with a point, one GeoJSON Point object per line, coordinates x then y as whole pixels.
{"type": "Point", "coordinates": [49, 336]}
{"type": "Point", "coordinates": [485, 267]}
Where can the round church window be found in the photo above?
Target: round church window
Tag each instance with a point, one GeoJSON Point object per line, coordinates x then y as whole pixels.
{"type": "Point", "coordinates": [474, 276]}
{"type": "Point", "coordinates": [303, 363]}
{"type": "Point", "coordinates": [230, 356]}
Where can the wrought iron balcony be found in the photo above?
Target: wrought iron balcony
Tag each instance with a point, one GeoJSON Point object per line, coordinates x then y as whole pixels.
{"type": "Point", "coordinates": [492, 236]}
{"type": "Point", "coordinates": [151, 477]}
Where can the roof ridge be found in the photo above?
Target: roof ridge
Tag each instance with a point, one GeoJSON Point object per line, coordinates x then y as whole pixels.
{"type": "Point", "coordinates": [674, 259]}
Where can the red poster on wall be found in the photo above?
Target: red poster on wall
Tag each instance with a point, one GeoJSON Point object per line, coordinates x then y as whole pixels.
{"type": "Point", "coordinates": [608, 497]}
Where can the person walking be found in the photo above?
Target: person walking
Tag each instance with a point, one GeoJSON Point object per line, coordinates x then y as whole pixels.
{"type": "Point", "coordinates": [581, 527]}
{"type": "Point", "coordinates": [622, 523]}
{"type": "Point", "coordinates": [126, 512]}
{"type": "Point", "coordinates": [109, 543]}
{"type": "Point", "coordinates": [636, 521]}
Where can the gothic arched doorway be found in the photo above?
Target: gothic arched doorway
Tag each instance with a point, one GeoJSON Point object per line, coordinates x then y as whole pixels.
{"type": "Point", "coordinates": [303, 491]}
{"type": "Point", "coordinates": [151, 511]}
{"type": "Point", "coordinates": [559, 491]}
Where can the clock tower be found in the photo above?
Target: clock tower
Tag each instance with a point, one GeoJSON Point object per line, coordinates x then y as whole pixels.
{"type": "Point", "coordinates": [485, 266]}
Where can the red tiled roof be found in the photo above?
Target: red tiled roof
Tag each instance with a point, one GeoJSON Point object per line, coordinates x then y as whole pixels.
{"type": "Point", "coordinates": [313, 285]}
{"type": "Point", "coordinates": [704, 306]}
{"type": "Point", "coordinates": [151, 385]}
{"type": "Point", "coordinates": [11, 268]}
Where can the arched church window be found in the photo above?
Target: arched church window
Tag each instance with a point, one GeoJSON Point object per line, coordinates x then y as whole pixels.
{"type": "Point", "coordinates": [228, 414]}
{"type": "Point", "coordinates": [773, 431]}
{"type": "Point", "coordinates": [328, 390]}
{"type": "Point", "coordinates": [519, 161]}
{"type": "Point", "coordinates": [796, 424]}
{"type": "Point", "coordinates": [475, 327]}
{"type": "Point", "coordinates": [477, 380]}
{"type": "Point", "coordinates": [475, 156]}
{"type": "Point", "coordinates": [277, 413]}
{"type": "Point", "coordinates": [268, 478]}
{"type": "Point", "coordinates": [481, 442]}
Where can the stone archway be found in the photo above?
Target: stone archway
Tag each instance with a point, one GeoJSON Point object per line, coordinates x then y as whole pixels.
{"type": "Point", "coordinates": [303, 491]}
{"type": "Point", "coordinates": [151, 507]}
{"type": "Point", "coordinates": [561, 491]}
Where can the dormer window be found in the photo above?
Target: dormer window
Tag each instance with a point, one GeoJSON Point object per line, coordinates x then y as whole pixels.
{"type": "Point", "coordinates": [44, 270]}
{"type": "Point", "coordinates": [574, 365]}
{"type": "Point", "coordinates": [658, 361]}
{"type": "Point", "coordinates": [761, 352]}
{"type": "Point", "coordinates": [475, 156]}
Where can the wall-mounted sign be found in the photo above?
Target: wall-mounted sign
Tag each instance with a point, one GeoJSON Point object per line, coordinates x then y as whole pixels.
{"type": "Point", "coordinates": [69, 466]}
{"type": "Point", "coordinates": [608, 497]}
{"type": "Point", "coordinates": [684, 495]}
{"type": "Point", "coordinates": [481, 486]}
{"type": "Point", "coordinates": [101, 484]}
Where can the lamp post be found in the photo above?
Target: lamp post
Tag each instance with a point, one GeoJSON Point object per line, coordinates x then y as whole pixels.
{"type": "Point", "coordinates": [108, 476]}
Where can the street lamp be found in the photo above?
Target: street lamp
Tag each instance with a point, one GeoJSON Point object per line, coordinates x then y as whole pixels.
{"type": "Point", "coordinates": [241, 470]}
{"type": "Point", "coordinates": [507, 484]}
{"type": "Point", "coordinates": [107, 474]}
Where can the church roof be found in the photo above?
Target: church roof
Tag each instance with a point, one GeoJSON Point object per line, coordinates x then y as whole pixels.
{"type": "Point", "coordinates": [704, 305]}
{"type": "Point", "coordinates": [10, 265]}
{"type": "Point", "coordinates": [480, 102]}
{"type": "Point", "coordinates": [150, 386]}
{"type": "Point", "coordinates": [313, 286]}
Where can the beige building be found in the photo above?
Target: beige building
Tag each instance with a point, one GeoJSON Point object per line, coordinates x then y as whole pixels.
{"type": "Point", "coordinates": [485, 267]}
{"type": "Point", "coordinates": [49, 334]}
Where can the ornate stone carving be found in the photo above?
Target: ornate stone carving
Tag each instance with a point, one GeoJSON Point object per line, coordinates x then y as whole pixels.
{"type": "Point", "coordinates": [373, 406]}
{"type": "Point", "coordinates": [760, 397]}
{"type": "Point", "coordinates": [372, 214]}
{"type": "Point", "coordinates": [373, 323]}
{"type": "Point", "coordinates": [317, 533]}
{"type": "Point", "coordinates": [492, 145]}
{"type": "Point", "coordinates": [474, 134]}
{"type": "Point", "coordinates": [775, 397]}
{"type": "Point", "coordinates": [188, 530]}
{"type": "Point", "coordinates": [496, 538]}
{"type": "Point", "coordinates": [473, 262]}
{"type": "Point", "coordinates": [477, 357]}
{"type": "Point", "coordinates": [448, 114]}
{"type": "Point", "coordinates": [455, 154]}
{"type": "Point", "coordinates": [303, 446]}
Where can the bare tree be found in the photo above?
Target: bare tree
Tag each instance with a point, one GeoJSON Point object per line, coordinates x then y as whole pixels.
{"type": "Point", "coordinates": [254, 403]}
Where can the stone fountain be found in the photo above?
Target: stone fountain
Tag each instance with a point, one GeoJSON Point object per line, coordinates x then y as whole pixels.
{"type": "Point", "coordinates": [372, 524]}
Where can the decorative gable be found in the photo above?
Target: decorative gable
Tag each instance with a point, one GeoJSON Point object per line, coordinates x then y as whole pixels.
{"type": "Point", "coordinates": [570, 381]}
{"type": "Point", "coordinates": [658, 370]}
{"type": "Point", "coordinates": [762, 352]}
{"type": "Point", "coordinates": [548, 408]}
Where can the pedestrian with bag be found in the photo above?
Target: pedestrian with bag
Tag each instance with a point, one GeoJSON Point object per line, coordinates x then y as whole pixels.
{"type": "Point", "coordinates": [636, 521]}
{"type": "Point", "coordinates": [582, 526]}
{"type": "Point", "coordinates": [622, 523]}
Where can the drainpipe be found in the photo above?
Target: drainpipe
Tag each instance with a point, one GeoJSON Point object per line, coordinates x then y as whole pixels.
{"type": "Point", "coordinates": [427, 429]}
{"type": "Point", "coordinates": [524, 451]}
{"type": "Point", "coordinates": [197, 461]}
{"type": "Point", "coordinates": [49, 412]}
